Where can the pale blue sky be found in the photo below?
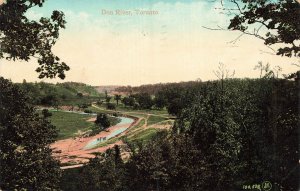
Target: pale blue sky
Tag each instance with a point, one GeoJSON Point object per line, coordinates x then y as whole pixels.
{"type": "Point", "coordinates": [174, 15]}
{"type": "Point", "coordinates": [171, 46]}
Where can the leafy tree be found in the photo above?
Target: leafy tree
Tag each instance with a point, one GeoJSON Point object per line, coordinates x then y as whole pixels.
{"type": "Point", "coordinates": [166, 163]}
{"type": "Point", "coordinates": [125, 101]}
{"type": "Point", "coordinates": [22, 38]}
{"type": "Point", "coordinates": [173, 98]}
{"type": "Point", "coordinates": [275, 22]}
{"type": "Point", "coordinates": [128, 101]}
{"type": "Point", "coordinates": [175, 106]}
{"type": "Point", "coordinates": [249, 127]}
{"type": "Point", "coordinates": [50, 100]}
{"type": "Point", "coordinates": [104, 172]}
{"type": "Point", "coordinates": [216, 135]}
{"type": "Point", "coordinates": [106, 94]}
{"type": "Point", "coordinates": [118, 98]}
{"type": "Point", "coordinates": [102, 120]}
{"type": "Point", "coordinates": [79, 94]}
{"type": "Point", "coordinates": [111, 106]}
{"type": "Point", "coordinates": [46, 113]}
{"type": "Point", "coordinates": [84, 105]}
{"type": "Point", "coordinates": [107, 99]}
{"type": "Point", "coordinates": [25, 162]}
{"type": "Point", "coordinates": [144, 100]}
{"type": "Point", "coordinates": [160, 101]}
{"type": "Point", "coordinates": [99, 102]}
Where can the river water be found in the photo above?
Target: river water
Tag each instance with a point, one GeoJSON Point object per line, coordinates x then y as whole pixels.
{"type": "Point", "coordinates": [124, 121]}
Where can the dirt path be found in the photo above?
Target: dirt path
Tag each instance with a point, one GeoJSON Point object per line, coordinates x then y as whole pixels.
{"type": "Point", "coordinates": [134, 112]}
{"type": "Point", "coordinates": [73, 150]}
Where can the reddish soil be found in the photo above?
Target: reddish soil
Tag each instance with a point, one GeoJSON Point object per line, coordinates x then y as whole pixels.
{"type": "Point", "coordinates": [72, 150]}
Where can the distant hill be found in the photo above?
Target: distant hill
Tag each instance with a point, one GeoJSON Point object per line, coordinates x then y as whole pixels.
{"type": "Point", "coordinates": [77, 87]}
{"type": "Point", "coordinates": [63, 93]}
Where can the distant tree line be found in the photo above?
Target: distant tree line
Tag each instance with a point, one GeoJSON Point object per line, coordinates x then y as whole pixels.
{"type": "Point", "coordinates": [153, 89]}
{"type": "Point", "coordinates": [170, 97]}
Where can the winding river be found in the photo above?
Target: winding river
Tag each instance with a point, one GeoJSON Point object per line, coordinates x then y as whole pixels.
{"type": "Point", "coordinates": [118, 129]}
{"type": "Point", "coordinates": [123, 125]}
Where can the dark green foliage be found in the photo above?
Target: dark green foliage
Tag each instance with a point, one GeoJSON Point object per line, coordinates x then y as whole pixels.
{"type": "Point", "coordinates": [114, 120]}
{"type": "Point", "coordinates": [175, 106]}
{"type": "Point", "coordinates": [166, 163]}
{"type": "Point", "coordinates": [247, 129]}
{"type": "Point", "coordinates": [79, 94]}
{"type": "Point", "coordinates": [153, 89]}
{"type": "Point", "coordinates": [107, 99]}
{"type": "Point", "coordinates": [68, 93]}
{"type": "Point", "coordinates": [279, 20]}
{"type": "Point", "coordinates": [110, 106]}
{"type": "Point", "coordinates": [102, 120]}
{"type": "Point", "coordinates": [99, 102]}
{"type": "Point", "coordinates": [215, 134]}
{"type": "Point", "coordinates": [128, 101]}
{"type": "Point", "coordinates": [22, 38]}
{"type": "Point", "coordinates": [105, 172]}
{"type": "Point", "coordinates": [46, 113]}
{"type": "Point", "coordinates": [88, 111]}
{"type": "Point", "coordinates": [160, 101]}
{"type": "Point", "coordinates": [50, 100]}
{"type": "Point", "coordinates": [84, 106]}
{"type": "Point", "coordinates": [144, 100]}
{"type": "Point", "coordinates": [172, 97]}
{"type": "Point", "coordinates": [25, 155]}
{"type": "Point", "coordinates": [106, 94]}
{"type": "Point", "coordinates": [118, 98]}
{"type": "Point", "coordinates": [70, 179]}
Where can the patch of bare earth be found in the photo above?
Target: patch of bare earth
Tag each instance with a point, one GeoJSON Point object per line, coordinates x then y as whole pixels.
{"type": "Point", "coordinates": [73, 151]}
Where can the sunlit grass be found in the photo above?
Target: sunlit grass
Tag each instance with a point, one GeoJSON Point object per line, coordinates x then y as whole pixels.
{"type": "Point", "coordinates": [69, 124]}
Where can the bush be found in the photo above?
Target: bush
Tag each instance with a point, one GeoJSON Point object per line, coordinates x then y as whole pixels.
{"type": "Point", "coordinates": [100, 102]}
{"type": "Point", "coordinates": [102, 120]}
{"type": "Point", "coordinates": [88, 111]}
{"type": "Point", "coordinates": [46, 113]}
{"type": "Point", "coordinates": [111, 106]}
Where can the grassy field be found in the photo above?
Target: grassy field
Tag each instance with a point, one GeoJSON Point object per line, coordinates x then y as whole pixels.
{"type": "Point", "coordinates": [133, 112]}
{"type": "Point", "coordinates": [121, 107]}
{"type": "Point", "coordinates": [143, 135]}
{"type": "Point", "coordinates": [69, 124]}
{"type": "Point", "coordinates": [72, 124]}
{"type": "Point", "coordinates": [101, 110]}
{"type": "Point", "coordinates": [153, 119]}
{"type": "Point", "coordinates": [137, 132]}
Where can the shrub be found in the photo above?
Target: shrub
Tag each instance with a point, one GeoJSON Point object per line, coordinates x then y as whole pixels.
{"type": "Point", "coordinates": [102, 120]}
{"type": "Point", "coordinates": [111, 106]}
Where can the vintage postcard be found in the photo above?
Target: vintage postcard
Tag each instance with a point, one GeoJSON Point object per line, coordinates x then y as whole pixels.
{"type": "Point", "coordinates": [149, 95]}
